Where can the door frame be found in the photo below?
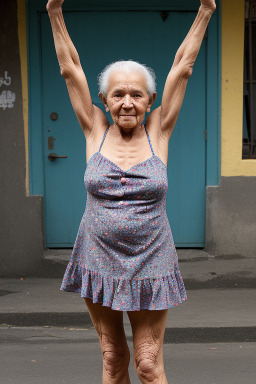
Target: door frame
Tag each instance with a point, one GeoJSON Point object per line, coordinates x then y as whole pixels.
{"type": "Point", "coordinates": [35, 8]}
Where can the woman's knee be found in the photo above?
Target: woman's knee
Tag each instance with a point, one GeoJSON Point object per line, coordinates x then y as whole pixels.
{"type": "Point", "coordinates": [148, 362]}
{"type": "Point", "coordinates": [110, 330]}
{"type": "Point", "coordinates": [116, 357]}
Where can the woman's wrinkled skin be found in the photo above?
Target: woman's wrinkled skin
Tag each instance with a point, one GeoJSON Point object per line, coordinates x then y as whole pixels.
{"type": "Point", "coordinates": [127, 100]}
{"type": "Point", "coordinates": [148, 335]}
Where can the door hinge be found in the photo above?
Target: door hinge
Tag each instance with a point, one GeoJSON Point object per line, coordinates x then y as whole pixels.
{"type": "Point", "coordinates": [205, 134]}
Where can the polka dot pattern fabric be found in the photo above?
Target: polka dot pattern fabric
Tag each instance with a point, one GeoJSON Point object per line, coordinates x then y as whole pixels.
{"type": "Point", "coordinates": [124, 256]}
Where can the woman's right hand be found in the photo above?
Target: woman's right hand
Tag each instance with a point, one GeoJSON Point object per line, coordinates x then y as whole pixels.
{"type": "Point", "coordinates": [54, 4]}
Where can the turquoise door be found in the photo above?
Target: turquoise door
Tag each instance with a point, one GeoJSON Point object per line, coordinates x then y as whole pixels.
{"type": "Point", "coordinates": [100, 38]}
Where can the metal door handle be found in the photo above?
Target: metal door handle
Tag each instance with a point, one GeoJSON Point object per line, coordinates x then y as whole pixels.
{"type": "Point", "coordinates": [53, 157]}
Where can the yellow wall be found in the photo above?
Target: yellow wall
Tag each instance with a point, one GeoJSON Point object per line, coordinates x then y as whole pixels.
{"type": "Point", "coordinates": [232, 91]}
{"type": "Point", "coordinates": [24, 77]}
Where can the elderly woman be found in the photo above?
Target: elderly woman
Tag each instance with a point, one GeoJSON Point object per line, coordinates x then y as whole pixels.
{"type": "Point", "coordinates": [124, 258]}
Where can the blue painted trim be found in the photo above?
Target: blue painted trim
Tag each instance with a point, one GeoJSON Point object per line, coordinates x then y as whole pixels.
{"type": "Point", "coordinates": [189, 245]}
{"type": "Point", "coordinates": [62, 245]}
{"type": "Point", "coordinates": [29, 93]}
{"type": "Point", "coordinates": [35, 102]}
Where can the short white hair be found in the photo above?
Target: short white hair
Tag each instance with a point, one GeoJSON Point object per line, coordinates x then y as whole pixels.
{"type": "Point", "coordinates": [126, 66]}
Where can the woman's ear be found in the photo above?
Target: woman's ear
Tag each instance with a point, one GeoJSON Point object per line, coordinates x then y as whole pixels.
{"type": "Point", "coordinates": [104, 101]}
{"type": "Point", "coordinates": [151, 101]}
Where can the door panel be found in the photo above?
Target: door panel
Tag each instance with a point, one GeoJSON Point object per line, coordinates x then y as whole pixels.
{"type": "Point", "coordinates": [101, 38]}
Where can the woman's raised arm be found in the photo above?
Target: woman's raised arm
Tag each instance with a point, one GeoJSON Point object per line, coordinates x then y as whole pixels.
{"type": "Point", "coordinates": [70, 68]}
{"type": "Point", "coordinates": [177, 79]}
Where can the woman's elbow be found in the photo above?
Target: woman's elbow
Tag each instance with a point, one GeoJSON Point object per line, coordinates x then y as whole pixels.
{"type": "Point", "coordinates": [186, 65]}
{"type": "Point", "coordinates": [189, 72]}
{"type": "Point", "coordinates": [65, 71]}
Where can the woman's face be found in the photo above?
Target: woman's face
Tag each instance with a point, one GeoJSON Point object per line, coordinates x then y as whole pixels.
{"type": "Point", "coordinates": [127, 99]}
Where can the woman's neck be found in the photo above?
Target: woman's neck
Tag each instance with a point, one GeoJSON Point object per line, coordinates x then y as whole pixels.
{"type": "Point", "coordinates": [127, 133]}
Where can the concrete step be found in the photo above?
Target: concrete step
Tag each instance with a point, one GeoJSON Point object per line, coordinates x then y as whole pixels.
{"type": "Point", "coordinates": [199, 269]}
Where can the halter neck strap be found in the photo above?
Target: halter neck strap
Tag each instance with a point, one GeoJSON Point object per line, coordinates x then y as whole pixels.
{"type": "Point", "coordinates": [146, 133]}
{"type": "Point", "coordinates": [149, 141]}
{"type": "Point", "coordinates": [104, 137]}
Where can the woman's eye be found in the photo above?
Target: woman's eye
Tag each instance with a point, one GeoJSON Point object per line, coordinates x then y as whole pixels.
{"type": "Point", "coordinates": [137, 95]}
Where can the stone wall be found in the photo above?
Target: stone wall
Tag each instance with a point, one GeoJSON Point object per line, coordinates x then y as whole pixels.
{"type": "Point", "coordinates": [231, 217]}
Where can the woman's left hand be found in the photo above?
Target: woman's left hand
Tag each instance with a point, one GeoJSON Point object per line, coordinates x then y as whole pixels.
{"type": "Point", "coordinates": [209, 4]}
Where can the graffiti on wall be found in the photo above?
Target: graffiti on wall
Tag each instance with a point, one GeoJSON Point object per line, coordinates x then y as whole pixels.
{"type": "Point", "coordinates": [6, 80]}
{"type": "Point", "coordinates": [7, 98]}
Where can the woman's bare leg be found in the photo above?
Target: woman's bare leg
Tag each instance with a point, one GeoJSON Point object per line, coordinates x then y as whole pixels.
{"type": "Point", "coordinates": [148, 336]}
{"type": "Point", "coordinates": [113, 343]}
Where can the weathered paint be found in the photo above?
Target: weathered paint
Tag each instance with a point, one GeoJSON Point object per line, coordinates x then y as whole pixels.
{"type": "Point", "coordinates": [22, 229]}
{"type": "Point", "coordinates": [232, 91]}
{"type": "Point", "coordinates": [22, 35]}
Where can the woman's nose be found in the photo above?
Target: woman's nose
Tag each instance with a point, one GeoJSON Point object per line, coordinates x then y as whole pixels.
{"type": "Point", "coordinates": [127, 102]}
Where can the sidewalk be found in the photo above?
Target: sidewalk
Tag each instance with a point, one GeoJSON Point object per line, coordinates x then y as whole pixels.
{"type": "Point", "coordinates": [211, 303]}
{"type": "Point", "coordinates": [199, 269]}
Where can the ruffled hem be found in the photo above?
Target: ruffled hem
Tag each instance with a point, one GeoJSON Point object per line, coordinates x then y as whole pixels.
{"type": "Point", "coordinates": [153, 293]}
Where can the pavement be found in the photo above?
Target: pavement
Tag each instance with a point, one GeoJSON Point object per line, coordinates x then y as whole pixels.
{"type": "Point", "coordinates": [46, 335]}
{"type": "Point", "coordinates": [67, 356]}
{"type": "Point", "coordinates": [220, 307]}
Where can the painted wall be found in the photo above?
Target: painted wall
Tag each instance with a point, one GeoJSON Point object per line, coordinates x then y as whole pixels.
{"type": "Point", "coordinates": [21, 229]}
{"type": "Point", "coordinates": [231, 206]}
